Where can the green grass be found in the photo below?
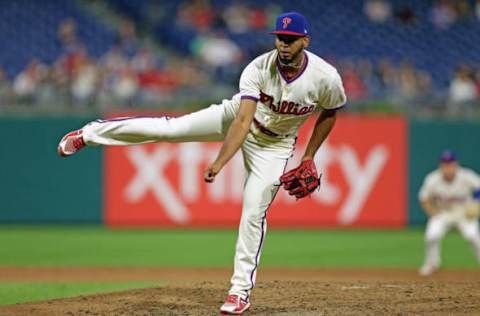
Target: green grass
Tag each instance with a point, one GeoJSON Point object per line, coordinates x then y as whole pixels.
{"type": "Point", "coordinates": [98, 246]}
{"type": "Point", "coordinates": [19, 292]}
{"type": "Point", "coordinates": [64, 246]}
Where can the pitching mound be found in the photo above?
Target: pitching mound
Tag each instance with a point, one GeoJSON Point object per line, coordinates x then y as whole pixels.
{"type": "Point", "coordinates": [278, 292]}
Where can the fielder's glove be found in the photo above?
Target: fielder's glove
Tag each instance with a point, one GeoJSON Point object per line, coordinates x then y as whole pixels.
{"type": "Point", "coordinates": [301, 181]}
{"type": "Point", "coordinates": [472, 210]}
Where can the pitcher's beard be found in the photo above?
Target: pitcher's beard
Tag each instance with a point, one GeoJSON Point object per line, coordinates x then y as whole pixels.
{"type": "Point", "coordinates": [284, 62]}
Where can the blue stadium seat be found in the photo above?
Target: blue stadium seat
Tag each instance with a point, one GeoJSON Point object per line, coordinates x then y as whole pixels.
{"type": "Point", "coordinates": [28, 29]}
{"type": "Point", "coordinates": [338, 28]}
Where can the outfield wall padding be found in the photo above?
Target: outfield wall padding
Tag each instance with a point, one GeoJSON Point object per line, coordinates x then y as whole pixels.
{"type": "Point", "coordinates": [39, 186]}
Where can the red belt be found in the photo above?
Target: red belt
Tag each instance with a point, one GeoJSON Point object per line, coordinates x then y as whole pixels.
{"type": "Point", "coordinates": [264, 129]}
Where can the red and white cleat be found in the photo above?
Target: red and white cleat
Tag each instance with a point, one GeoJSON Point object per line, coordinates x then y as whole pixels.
{"type": "Point", "coordinates": [234, 305]}
{"type": "Point", "coordinates": [71, 143]}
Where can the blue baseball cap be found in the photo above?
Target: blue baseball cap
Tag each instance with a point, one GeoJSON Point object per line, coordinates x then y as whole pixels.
{"type": "Point", "coordinates": [291, 23]}
{"type": "Point", "coordinates": [448, 156]}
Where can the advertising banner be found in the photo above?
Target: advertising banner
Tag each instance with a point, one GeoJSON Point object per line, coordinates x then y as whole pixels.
{"type": "Point", "coordinates": [363, 185]}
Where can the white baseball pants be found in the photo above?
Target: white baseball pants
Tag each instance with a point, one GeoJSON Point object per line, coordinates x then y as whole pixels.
{"type": "Point", "coordinates": [438, 225]}
{"type": "Point", "coordinates": [264, 165]}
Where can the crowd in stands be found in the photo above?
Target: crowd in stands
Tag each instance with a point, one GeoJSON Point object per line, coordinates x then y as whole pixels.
{"type": "Point", "coordinates": [129, 73]}
{"type": "Point", "coordinates": [442, 14]}
{"type": "Point", "coordinates": [132, 73]}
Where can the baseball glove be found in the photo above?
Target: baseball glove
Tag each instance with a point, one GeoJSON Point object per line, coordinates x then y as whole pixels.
{"type": "Point", "coordinates": [472, 210]}
{"type": "Point", "coordinates": [301, 181]}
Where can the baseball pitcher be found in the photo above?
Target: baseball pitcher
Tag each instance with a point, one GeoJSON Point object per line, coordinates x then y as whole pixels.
{"type": "Point", "coordinates": [450, 197]}
{"type": "Point", "coordinates": [278, 91]}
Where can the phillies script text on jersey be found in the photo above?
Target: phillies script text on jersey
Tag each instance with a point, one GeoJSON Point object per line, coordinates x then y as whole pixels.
{"type": "Point", "coordinates": [285, 107]}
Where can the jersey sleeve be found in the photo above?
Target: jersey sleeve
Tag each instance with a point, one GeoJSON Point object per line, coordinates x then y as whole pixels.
{"type": "Point", "coordinates": [474, 180]}
{"type": "Point", "coordinates": [250, 81]}
{"type": "Point", "coordinates": [426, 189]}
{"type": "Point", "coordinates": [334, 95]}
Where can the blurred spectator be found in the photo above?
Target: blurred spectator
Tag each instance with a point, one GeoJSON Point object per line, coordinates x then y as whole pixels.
{"type": "Point", "coordinates": [125, 87]}
{"type": "Point", "coordinates": [424, 81]}
{"type": "Point", "coordinates": [188, 73]}
{"type": "Point", "coordinates": [272, 11]}
{"type": "Point", "coordinates": [197, 14]}
{"type": "Point", "coordinates": [477, 9]}
{"type": "Point", "coordinates": [127, 41]}
{"type": "Point", "coordinates": [5, 88]}
{"type": "Point", "coordinates": [46, 92]}
{"type": "Point", "coordinates": [443, 14]}
{"type": "Point", "coordinates": [85, 82]}
{"type": "Point", "coordinates": [378, 11]}
{"type": "Point", "coordinates": [158, 81]}
{"type": "Point", "coordinates": [464, 10]}
{"type": "Point", "coordinates": [369, 78]}
{"type": "Point", "coordinates": [236, 17]}
{"type": "Point", "coordinates": [387, 76]}
{"type": "Point", "coordinates": [73, 49]}
{"type": "Point", "coordinates": [67, 35]}
{"type": "Point", "coordinates": [25, 83]}
{"type": "Point", "coordinates": [218, 52]}
{"type": "Point", "coordinates": [477, 81]}
{"type": "Point", "coordinates": [408, 82]}
{"type": "Point", "coordinates": [114, 59]}
{"type": "Point", "coordinates": [145, 60]}
{"type": "Point", "coordinates": [125, 78]}
{"type": "Point", "coordinates": [258, 19]}
{"type": "Point", "coordinates": [404, 86]}
{"type": "Point", "coordinates": [405, 15]}
{"type": "Point", "coordinates": [216, 41]}
{"type": "Point", "coordinates": [462, 89]}
{"type": "Point", "coordinates": [354, 87]}
{"type": "Point", "coordinates": [240, 19]}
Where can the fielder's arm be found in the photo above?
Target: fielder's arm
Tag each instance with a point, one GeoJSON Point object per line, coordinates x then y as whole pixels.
{"type": "Point", "coordinates": [428, 207]}
{"type": "Point", "coordinates": [323, 126]}
{"type": "Point", "coordinates": [472, 209]}
{"type": "Point", "coordinates": [234, 139]}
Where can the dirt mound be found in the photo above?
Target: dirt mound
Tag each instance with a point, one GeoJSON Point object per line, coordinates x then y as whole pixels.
{"type": "Point", "coordinates": [280, 292]}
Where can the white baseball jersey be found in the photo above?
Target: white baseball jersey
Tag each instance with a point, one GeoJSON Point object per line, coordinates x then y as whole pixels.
{"type": "Point", "coordinates": [448, 196]}
{"type": "Point", "coordinates": [284, 104]}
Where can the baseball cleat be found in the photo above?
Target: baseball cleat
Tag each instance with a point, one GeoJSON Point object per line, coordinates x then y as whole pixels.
{"type": "Point", "coordinates": [427, 270]}
{"type": "Point", "coordinates": [234, 305]}
{"type": "Point", "coordinates": [71, 143]}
